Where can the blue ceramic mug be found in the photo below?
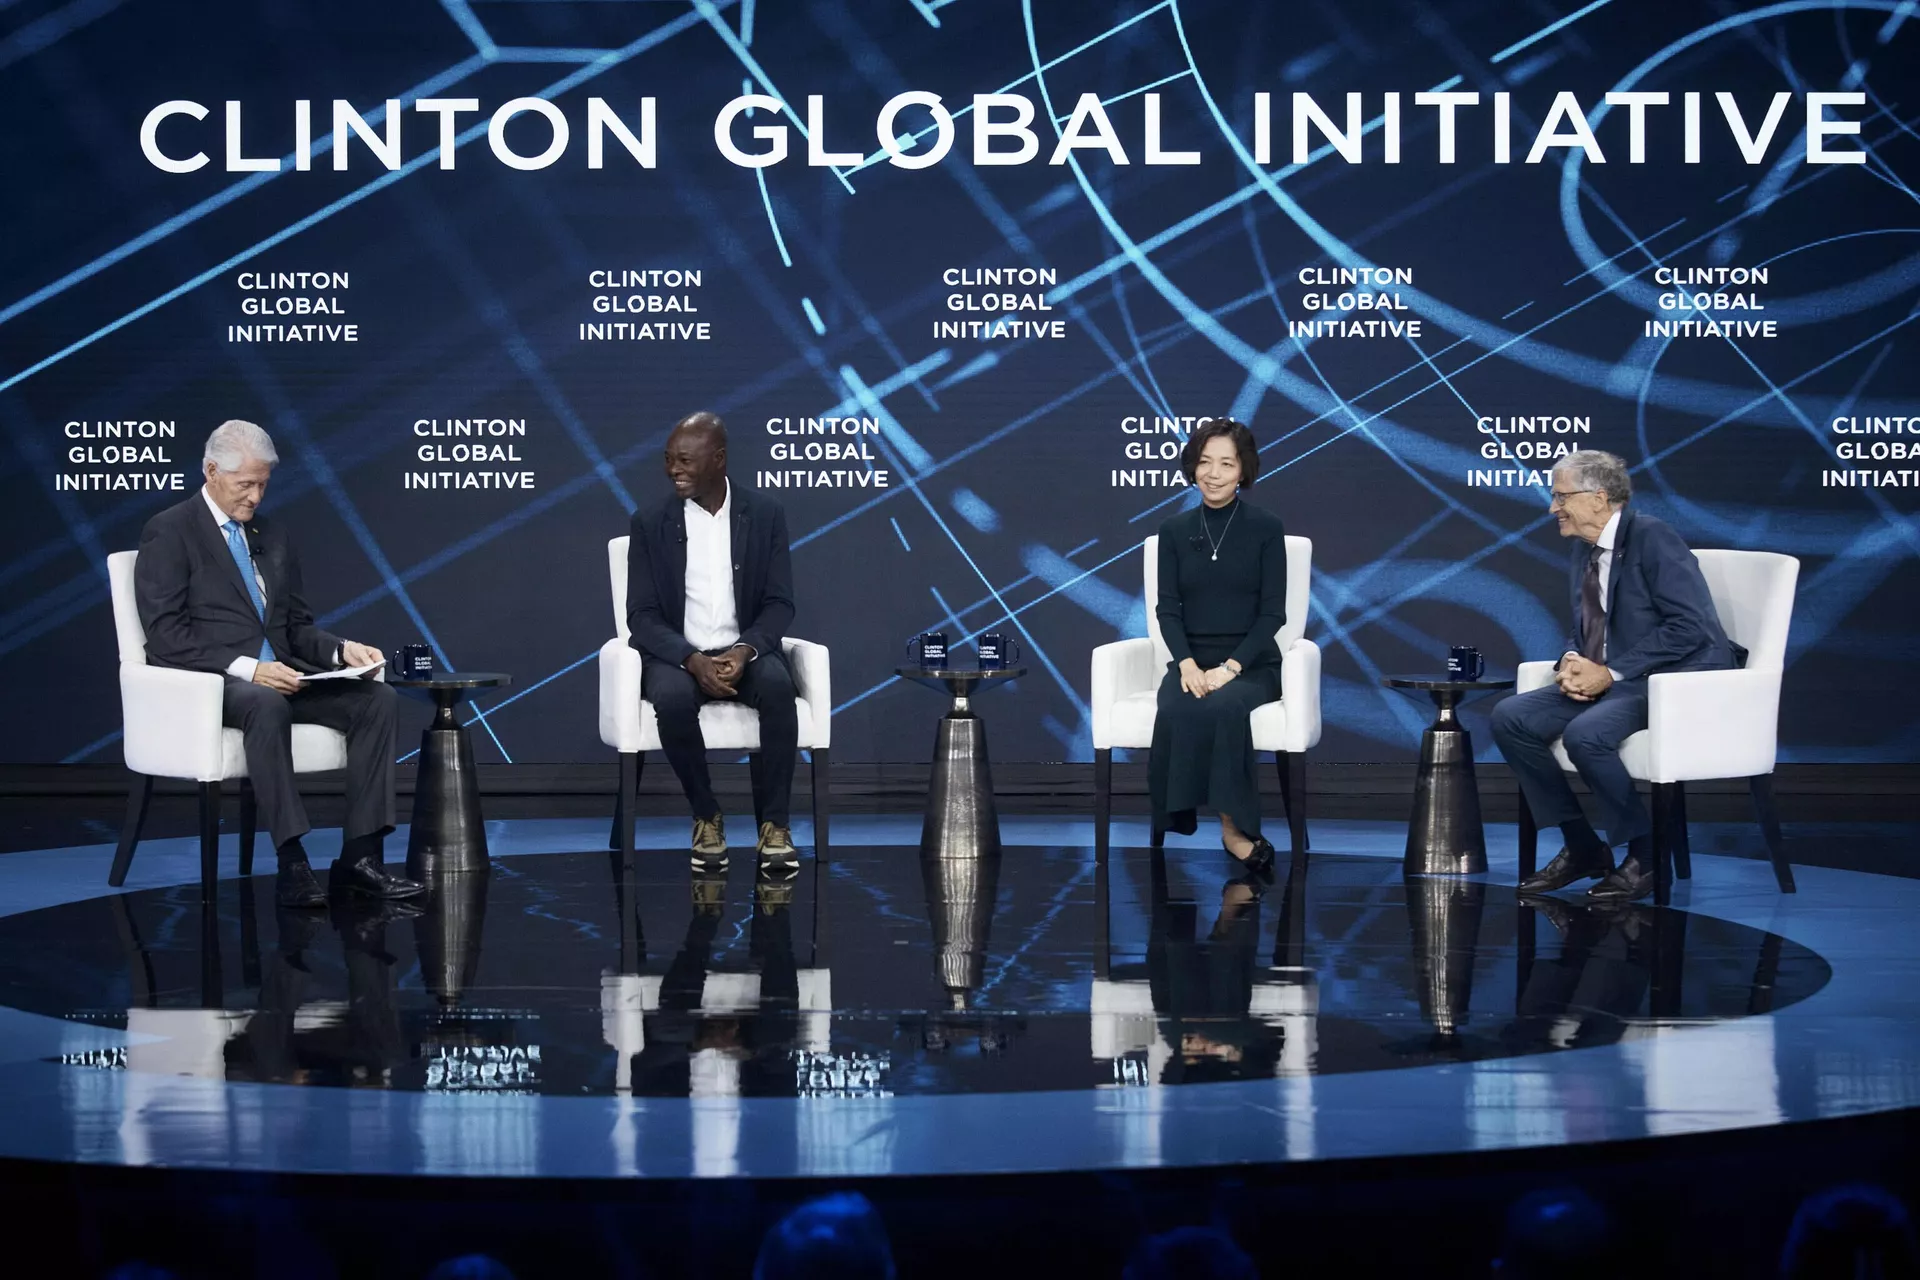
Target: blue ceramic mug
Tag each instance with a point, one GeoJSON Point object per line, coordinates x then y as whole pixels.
{"type": "Point", "coordinates": [996, 650]}
{"type": "Point", "coordinates": [413, 662]}
{"type": "Point", "coordinates": [1464, 663]}
{"type": "Point", "coordinates": [928, 650]}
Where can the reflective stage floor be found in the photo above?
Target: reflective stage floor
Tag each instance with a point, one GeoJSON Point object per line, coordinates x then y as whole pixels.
{"type": "Point", "coordinates": [879, 1015]}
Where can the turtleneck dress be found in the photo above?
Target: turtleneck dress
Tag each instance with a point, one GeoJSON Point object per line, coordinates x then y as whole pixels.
{"type": "Point", "coordinates": [1222, 594]}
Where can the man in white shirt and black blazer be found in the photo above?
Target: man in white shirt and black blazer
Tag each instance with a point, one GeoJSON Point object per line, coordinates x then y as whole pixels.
{"type": "Point", "coordinates": [218, 590]}
{"type": "Point", "coordinates": [709, 599]}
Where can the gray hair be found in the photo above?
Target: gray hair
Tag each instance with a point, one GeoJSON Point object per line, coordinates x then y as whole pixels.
{"type": "Point", "coordinates": [1598, 470]}
{"type": "Point", "coordinates": [234, 441]}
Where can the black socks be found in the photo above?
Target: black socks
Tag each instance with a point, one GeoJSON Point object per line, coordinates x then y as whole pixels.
{"type": "Point", "coordinates": [291, 852]}
{"type": "Point", "coordinates": [1582, 841]}
{"type": "Point", "coordinates": [1640, 849]}
{"type": "Point", "coordinates": [361, 849]}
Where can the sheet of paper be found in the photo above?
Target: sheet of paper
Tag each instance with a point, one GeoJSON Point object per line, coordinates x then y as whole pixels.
{"type": "Point", "coordinates": [344, 673]}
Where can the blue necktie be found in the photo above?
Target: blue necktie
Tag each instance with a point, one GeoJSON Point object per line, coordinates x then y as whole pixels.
{"type": "Point", "coordinates": [237, 545]}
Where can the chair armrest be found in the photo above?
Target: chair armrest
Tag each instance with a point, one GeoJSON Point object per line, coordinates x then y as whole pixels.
{"type": "Point", "coordinates": [1300, 693]}
{"type": "Point", "coordinates": [1533, 675]}
{"type": "Point", "coordinates": [813, 681]}
{"type": "Point", "coordinates": [1712, 724]}
{"type": "Point", "coordinates": [1120, 669]}
{"type": "Point", "coordinates": [171, 721]}
{"type": "Point", "coordinates": [620, 668]}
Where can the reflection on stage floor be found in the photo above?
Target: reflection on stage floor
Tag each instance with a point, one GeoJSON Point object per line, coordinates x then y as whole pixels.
{"type": "Point", "coordinates": [881, 1014]}
{"type": "Point", "coordinates": [881, 974]}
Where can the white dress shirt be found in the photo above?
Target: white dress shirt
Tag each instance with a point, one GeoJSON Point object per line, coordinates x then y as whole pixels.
{"type": "Point", "coordinates": [1604, 545]}
{"type": "Point", "coordinates": [242, 667]}
{"type": "Point", "coordinates": [713, 619]}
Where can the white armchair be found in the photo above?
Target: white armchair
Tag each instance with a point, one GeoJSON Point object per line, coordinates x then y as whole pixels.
{"type": "Point", "coordinates": [1126, 682]}
{"type": "Point", "coordinates": [629, 726]}
{"type": "Point", "coordinates": [171, 729]}
{"type": "Point", "coordinates": [1704, 725]}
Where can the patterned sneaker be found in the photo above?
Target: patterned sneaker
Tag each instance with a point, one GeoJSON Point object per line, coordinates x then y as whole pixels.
{"type": "Point", "coordinates": [777, 854]}
{"type": "Point", "coordinates": [709, 891]}
{"type": "Point", "coordinates": [710, 843]}
{"type": "Point", "coordinates": [772, 891]}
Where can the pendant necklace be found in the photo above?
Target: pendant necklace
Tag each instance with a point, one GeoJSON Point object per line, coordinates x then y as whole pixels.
{"type": "Point", "coordinates": [1208, 530]}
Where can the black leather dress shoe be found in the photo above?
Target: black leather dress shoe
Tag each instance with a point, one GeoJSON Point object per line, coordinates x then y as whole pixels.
{"type": "Point", "coordinates": [371, 879]}
{"type": "Point", "coordinates": [1558, 913]}
{"type": "Point", "coordinates": [294, 886]}
{"type": "Point", "coordinates": [359, 920]}
{"type": "Point", "coordinates": [1629, 883]}
{"type": "Point", "coordinates": [1566, 867]}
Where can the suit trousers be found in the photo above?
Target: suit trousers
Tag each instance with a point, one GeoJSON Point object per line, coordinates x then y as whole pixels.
{"type": "Point", "coordinates": [767, 687]}
{"type": "Point", "coordinates": [361, 709]}
{"type": "Point", "coordinates": [1526, 725]}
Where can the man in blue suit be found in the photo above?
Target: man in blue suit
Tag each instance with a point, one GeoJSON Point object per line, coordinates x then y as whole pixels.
{"type": "Point", "coordinates": [1640, 608]}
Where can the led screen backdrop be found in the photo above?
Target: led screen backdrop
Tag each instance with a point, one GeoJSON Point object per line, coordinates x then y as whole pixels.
{"type": "Point", "coordinates": [959, 274]}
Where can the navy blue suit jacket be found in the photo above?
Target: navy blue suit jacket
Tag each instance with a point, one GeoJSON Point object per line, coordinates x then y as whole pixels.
{"type": "Point", "coordinates": [657, 577]}
{"type": "Point", "coordinates": [194, 604]}
{"type": "Point", "coordinates": [1660, 615]}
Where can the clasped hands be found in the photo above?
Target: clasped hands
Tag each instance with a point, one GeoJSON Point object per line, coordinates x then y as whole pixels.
{"type": "Point", "coordinates": [1582, 679]}
{"type": "Point", "coordinates": [719, 677]}
{"type": "Point", "coordinates": [1201, 683]}
{"type": "Point", "coordinates": [282, 678]}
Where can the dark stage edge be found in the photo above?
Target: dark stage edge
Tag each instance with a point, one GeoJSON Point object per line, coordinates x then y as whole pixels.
{"type": "Point", "coordinates": [1385, 1023]}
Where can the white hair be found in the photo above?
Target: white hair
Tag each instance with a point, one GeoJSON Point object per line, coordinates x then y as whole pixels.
{"type": "Point", "coordinates": [234, 441]}
{"type": "Point", "coordinates": [1600, 471]}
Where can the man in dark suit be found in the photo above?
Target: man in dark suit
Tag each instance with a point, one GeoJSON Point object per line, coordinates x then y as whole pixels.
{"type": "Point", "coordinates": [709, 597]}
{"type": "Point", "coordinates": [218, 590]}
{"type": "Point", "coordinates": [1640, 608]}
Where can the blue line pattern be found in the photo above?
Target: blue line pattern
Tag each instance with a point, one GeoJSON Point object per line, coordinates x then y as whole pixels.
{"type": "Point", "coordinates": [1009, 480]}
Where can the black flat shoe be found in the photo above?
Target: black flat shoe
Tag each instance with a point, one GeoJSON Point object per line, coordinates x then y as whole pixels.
{"type": "Point", "coordinates": [371, 879]}
{"type": "Point", "coordinates": [294, 886]}
{"type": "Point", "coordinates": [1255, 884]}
{"type": "Point", "coordinates": [1258, 862]}
{"type": "Point", "coordinates": [1566, 867]}
{"type": "Point", "coordinates": [1628, 883]}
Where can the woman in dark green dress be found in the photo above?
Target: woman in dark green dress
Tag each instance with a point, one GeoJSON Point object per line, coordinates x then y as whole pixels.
{"type": "Point", "coordinates": [1223, 596]}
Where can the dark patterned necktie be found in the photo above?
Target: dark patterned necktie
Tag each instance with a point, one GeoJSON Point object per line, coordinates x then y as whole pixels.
{"type": "Point", "coordinates": [1593, 614]}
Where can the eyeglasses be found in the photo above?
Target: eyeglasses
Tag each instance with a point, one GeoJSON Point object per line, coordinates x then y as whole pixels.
{"type": "Point", "coordinates": [1560, 496]}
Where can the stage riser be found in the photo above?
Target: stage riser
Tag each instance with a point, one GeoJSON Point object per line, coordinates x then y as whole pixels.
{"type": "Point", "coordinates": [1812, 791]}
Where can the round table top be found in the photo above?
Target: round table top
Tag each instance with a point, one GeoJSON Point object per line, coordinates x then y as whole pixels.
{"type": "Point", "coordinates": [960, 682]}
{"type": "Point", "coordinates": [1442, 684]}
{"type": "Point", "coordinates": [959, 673]}
{"type": "Point", "coordinates": [453, 680]}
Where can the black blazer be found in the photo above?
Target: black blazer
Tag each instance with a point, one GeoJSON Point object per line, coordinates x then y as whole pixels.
{"type": "Point", "coordinates": [195, 606]}
{"type": "Point", "coordinates": [657, 577]}
{"type": "Point", "coordinates": [1660, 615]}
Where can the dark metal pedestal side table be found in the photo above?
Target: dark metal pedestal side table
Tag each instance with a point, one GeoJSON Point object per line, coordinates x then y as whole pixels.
{"type": "Point", "coordinates": [961, 820]}
{"type": "Point", "coordinates": [1444, 835]}
{"type": "Point", "coordinates": [447, 834]}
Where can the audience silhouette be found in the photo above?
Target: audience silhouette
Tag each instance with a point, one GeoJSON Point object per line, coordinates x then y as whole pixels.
{"type": "Point", "coordinates": [1561, 1233]}
{"type": "Point", "coordinates": [1851, 1233]}
{"type": "Point", "coordinates": [838, 1236]}
{"type": "Point", "coordinates": [1190, 1253]}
